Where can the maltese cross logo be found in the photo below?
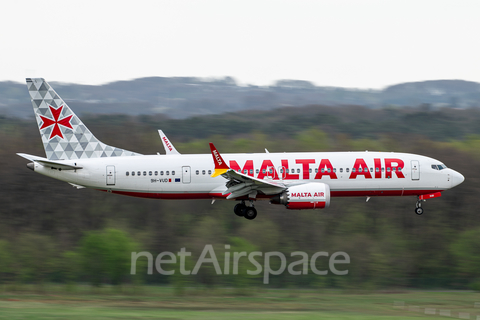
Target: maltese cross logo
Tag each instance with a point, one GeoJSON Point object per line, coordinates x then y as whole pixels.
{"type": "Point", "coordinates": [55, 122]}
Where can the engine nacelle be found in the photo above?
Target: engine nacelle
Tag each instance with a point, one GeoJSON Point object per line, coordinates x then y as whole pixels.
{"type": "Point", "coordinates": [313, 195]}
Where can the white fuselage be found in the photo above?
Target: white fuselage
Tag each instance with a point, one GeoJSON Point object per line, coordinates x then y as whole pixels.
{"type": "Point", "coordinates": [189, 176]}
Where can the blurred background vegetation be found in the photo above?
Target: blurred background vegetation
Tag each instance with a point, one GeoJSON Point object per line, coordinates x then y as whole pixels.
{"type": "Point", "coordinates": [51, 232]}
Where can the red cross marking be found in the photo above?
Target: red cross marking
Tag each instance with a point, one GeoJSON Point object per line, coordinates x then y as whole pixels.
{"type": "Point", "coordinates": [47, 122]}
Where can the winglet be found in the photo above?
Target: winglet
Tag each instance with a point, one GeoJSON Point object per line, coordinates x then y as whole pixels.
{"type": "Point", "coordinates": [169, 148]}
{"type": "Point", "coordinates": [220, 165]}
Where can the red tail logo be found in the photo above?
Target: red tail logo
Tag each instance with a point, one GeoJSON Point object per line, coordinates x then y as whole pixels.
{"type": "Point", "coordinates": [47, 122]}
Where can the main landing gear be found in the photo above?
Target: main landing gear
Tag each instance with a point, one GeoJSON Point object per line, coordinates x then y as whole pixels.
{"type": "Point", "coordinates": [418, 207]}
{"type": "Point", "coordinates": [242, 210]}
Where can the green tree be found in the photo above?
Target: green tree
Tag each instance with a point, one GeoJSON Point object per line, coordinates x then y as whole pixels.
{"type": "Point", "coordinates": [106, 256]}
{"type": "Point", "coordinates": [466, 250]}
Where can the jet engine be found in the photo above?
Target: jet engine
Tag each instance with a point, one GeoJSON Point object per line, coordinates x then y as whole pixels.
{"type": "Point", "coordinates": [313, 195]}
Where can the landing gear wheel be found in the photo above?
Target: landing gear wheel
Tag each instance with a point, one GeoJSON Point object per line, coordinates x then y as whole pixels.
{"type": "Point", "coordinates": [250, 213]}
{"type": "Point", "coordinates": [239, 209]}
{"type": "Point", "coordinates": [419, 210]}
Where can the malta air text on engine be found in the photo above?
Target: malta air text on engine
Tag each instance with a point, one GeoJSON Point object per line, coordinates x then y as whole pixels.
{"type": "Point", "coordinates": [307, 194]}
{"type": "Point", "coordinates": [381, 168]}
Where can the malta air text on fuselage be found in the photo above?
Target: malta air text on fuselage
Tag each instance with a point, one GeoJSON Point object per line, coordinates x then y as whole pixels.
{"type": "Point", "coordinates": [311, 168]}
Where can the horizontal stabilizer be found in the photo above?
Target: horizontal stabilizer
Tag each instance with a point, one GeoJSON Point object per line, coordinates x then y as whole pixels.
{"type": "Point", "coordinates": [49, 163]}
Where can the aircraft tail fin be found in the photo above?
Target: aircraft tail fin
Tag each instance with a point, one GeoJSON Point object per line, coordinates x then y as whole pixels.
{"type": "Point", "coordinates": [64, 135]}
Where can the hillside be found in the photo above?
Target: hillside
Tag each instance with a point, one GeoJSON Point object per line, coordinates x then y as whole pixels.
{"type": "Point", "coordinates": [180, 98]}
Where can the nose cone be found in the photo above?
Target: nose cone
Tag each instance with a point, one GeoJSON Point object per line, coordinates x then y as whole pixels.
{"type": "Point", "coordinates": [457, 178]}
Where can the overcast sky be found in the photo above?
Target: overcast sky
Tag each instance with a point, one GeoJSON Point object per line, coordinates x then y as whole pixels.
{"type": "Point", "coordinates": [350, 43]}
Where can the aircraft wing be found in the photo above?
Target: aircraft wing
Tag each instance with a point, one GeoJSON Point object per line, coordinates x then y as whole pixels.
{"type": "Point", "coordinates": [239, 184]}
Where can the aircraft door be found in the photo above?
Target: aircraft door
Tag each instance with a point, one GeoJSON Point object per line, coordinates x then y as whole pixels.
{"type": "Point", "coordinates": [282, 172]}
{"type": "Point", "coordinates": [415, 170]}
{"type": "Point", "coordinates": [110, 175]}
{"type": "Point", "coordinates": [186, 176]}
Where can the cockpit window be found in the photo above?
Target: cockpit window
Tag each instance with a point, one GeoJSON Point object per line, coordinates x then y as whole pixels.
{"type": "Point", "coordinates": [439, 166]}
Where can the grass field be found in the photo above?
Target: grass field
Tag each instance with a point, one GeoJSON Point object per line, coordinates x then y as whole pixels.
{"type": "Point", "coordinates": [54, 302]}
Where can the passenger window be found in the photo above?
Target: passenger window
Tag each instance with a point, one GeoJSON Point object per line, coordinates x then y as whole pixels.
{"type": "Point", "coordinates": [209, 171]}
{"type": "Point", "coordinates": [156, 173]}
{"type": "Point", "coordinates": [251, 171]}
{"type": "Point", "coordinates": [127, 173]}
{"type": "Point", "coordinates": [173, 173]}
{"type": "Point", "coordinates": [329, 170]}
{"type": "Point", "coordinates": [197, 172]}
{"type": "Point", "coordinates": [133, 173]}
{"type": "Point", "coordinates": [353, 170]}
{"type": "Point", "coordinates": [281, 170]}
{"type": "Point", "coordinates": [359, 170]}
{"type": "Point", "coordinates": [371, 169]}
{"type": "Point", "coordinates": [150, 173]}
{"type": "Point", "coordinates": [139, 173]}
{"type": "Point", "coordinates": [316, 170]}
{"type": "Point", "coordinates": [383, 169]}
{"type": "Point", "coordinates": [323, 170]}
{"type": "Point", "coordinates": [347, 170]}
{"type": "Point", "coordinates": [388, 169]}
{"type": "Point", "coordinates": [298, 170]}
{"type": "Point", "coordinates": [341, 170]}
{"type": "Point", "coordinates": [264, 171]}
{"type": "Point", "coordinates": [399, 169]}
{"type": "Point", "coordinates": [167, 173]}
{"type": "Point", "coordinates": [377, 169]}
{"type": "Point", "coordinates": [144, 173]}
{"type": "Point", "coordinates": [310, 170]}
{"type": "Point", "coordinates": [203, 172]}
{"type": "Point", "coordinates": [334, 169]}
{"type": "Point", "coordinates": [258, 171]}
{"type": "Point", "coordinates": [161, 173]}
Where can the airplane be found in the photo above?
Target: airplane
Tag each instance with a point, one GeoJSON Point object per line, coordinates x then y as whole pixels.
{"type": "Point", "coordinates": [300, 180]}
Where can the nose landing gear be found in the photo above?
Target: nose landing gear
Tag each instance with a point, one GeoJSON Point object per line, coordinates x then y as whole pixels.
{"type": "Point", "coordinates": [418, 207]}
{"type": "Point", "coordinates": [242, 210]}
